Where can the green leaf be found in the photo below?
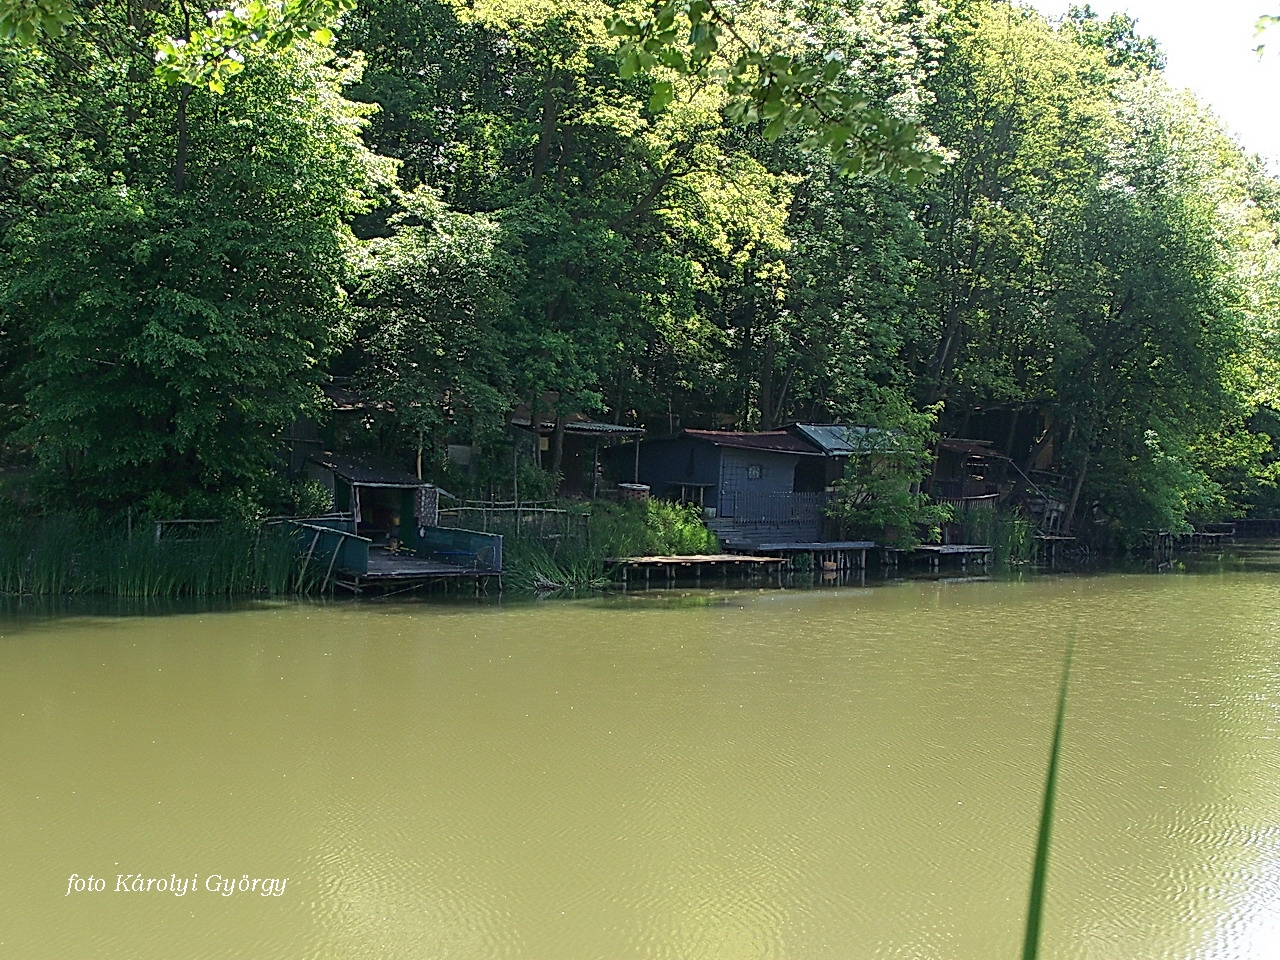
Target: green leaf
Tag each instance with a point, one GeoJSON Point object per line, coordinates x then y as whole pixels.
{"type": "Point", "coordinates": [675, 60]}
{"type": "Point", "coordinates": [630, 65]}
{"type": "Point", "coordinates": [772, 107]}
{"type": "Point", "coordinates": [662, 95]}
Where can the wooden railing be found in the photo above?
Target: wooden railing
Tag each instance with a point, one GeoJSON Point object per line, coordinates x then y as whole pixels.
{"type": "Point", "coordinates": [336, 539]}
{"type": "Point", "coordinates": [781, 509]}
{"type": "Point", "coordinates": [986, 502]}
{"type": "Point", "coordinates": [469, 549]}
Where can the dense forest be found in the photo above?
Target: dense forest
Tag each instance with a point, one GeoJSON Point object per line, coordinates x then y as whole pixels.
{"type": "Point", "coordinates": [458, 208]}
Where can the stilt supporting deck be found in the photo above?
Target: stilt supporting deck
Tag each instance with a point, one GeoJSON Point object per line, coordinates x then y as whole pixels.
{"type": "Point", "coordinates": [978, 553]}
{"type": "Point", "coordinates": [673, 568]}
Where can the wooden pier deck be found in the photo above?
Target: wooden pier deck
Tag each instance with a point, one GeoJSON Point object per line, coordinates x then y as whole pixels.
{"type": "Point", "coordinates": [839, 556]}
{"type": "Point", "coordinates": [934, 552]}
{"type": "Point", "coordinates": [1206, 540]}
{"type": "Point", "coordinates": [1212, 537]}
{"type": "Point", "coordinates": [671, 567]}
{"type": "Point", "coordinates": [396, 572]}
{"type": "Point", "coordinates": [1045, 547]}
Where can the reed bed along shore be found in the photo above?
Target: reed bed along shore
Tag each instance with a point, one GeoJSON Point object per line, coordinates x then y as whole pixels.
{"type": "Point", "coordinates": [63, 556]}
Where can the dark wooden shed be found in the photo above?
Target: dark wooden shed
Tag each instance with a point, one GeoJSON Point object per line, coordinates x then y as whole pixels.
{"type": "Point", "coordinates": [584, 442]}
{"type": "Point", "coordinates": [725, 470]}
{"type": "Point", "coordinates": [384, 501]}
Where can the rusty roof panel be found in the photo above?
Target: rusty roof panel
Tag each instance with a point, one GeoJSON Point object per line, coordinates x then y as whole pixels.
{"type": "Point", "coordinates": [776, 441]}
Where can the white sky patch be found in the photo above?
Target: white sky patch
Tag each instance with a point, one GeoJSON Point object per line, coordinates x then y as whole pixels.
{"type": "Point", "coordinates": [1209, 48]}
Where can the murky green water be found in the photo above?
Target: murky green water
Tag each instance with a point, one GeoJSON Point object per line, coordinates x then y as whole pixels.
{"type": "Point", "coordinates": [824, 774]}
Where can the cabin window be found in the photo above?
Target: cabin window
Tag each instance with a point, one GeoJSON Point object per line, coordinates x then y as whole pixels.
{"type": "Point", "coordinates": [754, 471]}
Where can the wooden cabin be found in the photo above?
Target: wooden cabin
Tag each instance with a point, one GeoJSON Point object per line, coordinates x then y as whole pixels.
{"type": "Point", "coordinates": [967, 471]}
{"type": "Point", "coordinates": [584, 442]}
{"type": "Point", "coordinates": [387, 504]}
{"type": "Point", "coordinates": [751, 486]}
{"type": "Point", "coordinates": [837, 441]}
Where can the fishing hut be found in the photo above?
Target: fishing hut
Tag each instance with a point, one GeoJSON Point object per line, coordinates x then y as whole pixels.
{"type": "Point", "coordinates": [385, 533]}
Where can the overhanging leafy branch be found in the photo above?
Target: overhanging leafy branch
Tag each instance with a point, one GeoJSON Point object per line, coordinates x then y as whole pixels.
{"type": "Point", "coordinates": [694, 38]}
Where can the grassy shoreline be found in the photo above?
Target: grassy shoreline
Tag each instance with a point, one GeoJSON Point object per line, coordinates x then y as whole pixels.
{"type": "Point", "coordinates": [63, 556]}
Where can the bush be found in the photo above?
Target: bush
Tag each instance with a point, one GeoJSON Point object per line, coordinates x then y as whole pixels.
{"type": "Point", "coordinates": [878, 498]}
{"type": "Point", "coordinates": [573, 555]}
{"type": "Point", "coordinates": [652, 528]}
{"type": "Point", "coordinates": [310, 498]}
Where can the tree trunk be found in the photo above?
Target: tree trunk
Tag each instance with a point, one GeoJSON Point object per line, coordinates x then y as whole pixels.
{"type": "Point", "coordinates": [557, 452]}
{"type": "Point", "coordinates": [944, 354]}
{"type": "Point", "coordinates": [764, 402]}
{"type": "Point", "coordinates": [547, 128]}
{"type": "Point", "coordinates": [1013, 432]}
{"type": "Point", "coordinates": [180, 155]}
{"type": "Point", "coordinates": [1075, 497]}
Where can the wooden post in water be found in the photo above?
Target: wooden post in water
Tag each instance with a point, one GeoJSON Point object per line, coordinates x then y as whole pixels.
{"type": "Point", "coordinates": [595, 469]}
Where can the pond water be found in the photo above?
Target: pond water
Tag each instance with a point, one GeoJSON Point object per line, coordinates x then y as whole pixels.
{"type": "Point", "coordinates": [728, 774]}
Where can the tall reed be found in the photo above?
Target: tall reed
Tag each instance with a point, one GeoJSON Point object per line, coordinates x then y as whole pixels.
{"type": "Point", "coordinates": [59, 556]}
{"type": "Point", "coordinates": [1040, 868]}
{"type": "Point", "coordinates": [1010, 535]}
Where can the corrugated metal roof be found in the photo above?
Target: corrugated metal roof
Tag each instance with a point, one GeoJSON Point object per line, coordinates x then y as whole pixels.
{"type": "Point", "coordinates": [777, 441]}
{"type": "Point", "coordinates": [365, 472]}
{"type": "Point", "coordinates": [594, 428]}
{"type": "Point", "coordinates": [579, 425]}
{"type": "Point", "coordinates": [972, 448]}
{"type": "Point", "coordinates": [835, 439]}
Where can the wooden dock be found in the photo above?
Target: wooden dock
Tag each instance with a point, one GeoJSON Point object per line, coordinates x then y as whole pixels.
{"type": "Point", "coordinates": [1258, 527]}
{"type": "Point", "coordinates": [695, 565]}
{"type": "Point", "coordinates": [1045, 547]}
{"type": "Point", "coordinates": [399, 573]}
{"type": "Point", "coordinates": [832, 556]}
{"type": "Point", "coordinates": [1205, 540]}
{"type": "Point", "coordinates": [934, 552]}
{"type": "Point", "coordinates": [1212, 536]}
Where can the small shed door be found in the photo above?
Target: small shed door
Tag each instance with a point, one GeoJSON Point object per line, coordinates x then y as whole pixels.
{"type": "Point", "coordinates": [728, 496]}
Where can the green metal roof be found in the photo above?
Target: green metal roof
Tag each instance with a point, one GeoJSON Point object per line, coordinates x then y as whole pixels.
{"type": "Point", "coordinates": [835, 439]}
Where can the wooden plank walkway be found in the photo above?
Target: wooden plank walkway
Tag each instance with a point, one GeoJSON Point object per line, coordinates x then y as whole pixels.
{"type": "Point", "coordinates": [401, 572]}
{"type": "Point", "coordinates": [1045, 547]}
{"type": "Point", "coordinates": [394, 566]}
{"type": "Point", "coordinates": [839, 556]}
{"type": "Point", "coordinates": [822, 545]}
{"type": "Point", "coordinates": [934, 552]}
{"type": "Point", "coordinates": [671, 566]}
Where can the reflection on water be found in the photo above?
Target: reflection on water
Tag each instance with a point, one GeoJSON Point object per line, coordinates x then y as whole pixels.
{"type": "Point", "coordinates": [1259, 556]}
{"type": "Point", "coordinates": [828, 773]}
